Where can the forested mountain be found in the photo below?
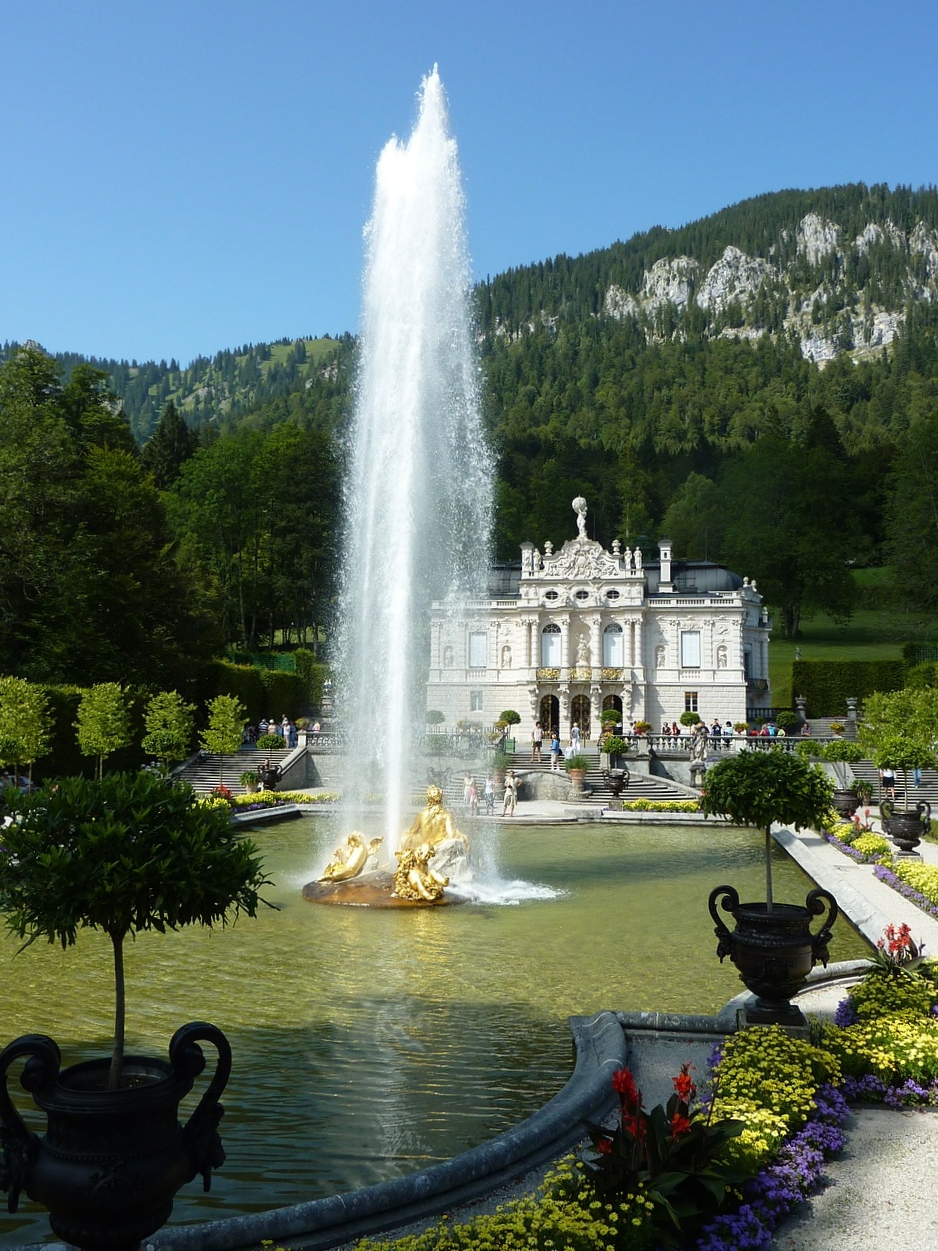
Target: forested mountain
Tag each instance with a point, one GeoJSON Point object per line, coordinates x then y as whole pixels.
{"type": "Point", "coordinates": [220, 390]}
{"type": "Point", "coordinates": [761, 384]}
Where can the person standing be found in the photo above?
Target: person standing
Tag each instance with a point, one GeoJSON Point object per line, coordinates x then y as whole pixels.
{"type": "Point", "coordinates": [887, 782]}
{"type": "Point", "coordinates": [554, 751]}
{"type": "Point", "coordinates": [489, 792]}
{"type": "Point", "coordinates": [574, 739]}
{"type": "Point", "coordinates": [473, 799]}
{"type": "Point", "coordinates": [537, 741]}
{"type": "Point", "coordinates": [511, 794]}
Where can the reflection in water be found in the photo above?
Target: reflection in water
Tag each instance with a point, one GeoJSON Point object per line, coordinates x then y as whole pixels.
{"type": "Point", "coordinates": [370, 1043]}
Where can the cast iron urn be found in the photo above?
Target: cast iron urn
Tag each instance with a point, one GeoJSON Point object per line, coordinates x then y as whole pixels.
{"type": "Point", "coordinates": [906, 828]}
{"type": "Point", "coordinates": [111, 1161]}
{"type": "Point", "coordinates": [845, 801]}
{"type": "Point", "coordinates": [774, 951]}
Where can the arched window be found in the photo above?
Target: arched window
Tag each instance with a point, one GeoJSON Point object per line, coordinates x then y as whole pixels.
{"type": "Point", "coordinates": [613, 647]}
{"type": "Point", "coordinates": [550, 646]}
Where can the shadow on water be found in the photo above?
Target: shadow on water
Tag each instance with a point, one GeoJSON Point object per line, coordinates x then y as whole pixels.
{"type": "Point", "coordinates": [372, 1043]}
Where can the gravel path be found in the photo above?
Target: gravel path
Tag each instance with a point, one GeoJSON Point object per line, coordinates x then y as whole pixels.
{"type": "Point", "coordinates": [881, 1189]}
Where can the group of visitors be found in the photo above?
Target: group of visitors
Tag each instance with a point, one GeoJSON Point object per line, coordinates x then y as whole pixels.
{"type": "Point", "coordinates": [284, 728]}
{"type": "Point", "coordinates": [471, 795]}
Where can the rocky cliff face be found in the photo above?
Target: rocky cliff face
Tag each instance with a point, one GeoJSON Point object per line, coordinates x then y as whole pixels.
{"type": "Point", "coordinates": [817, 285]}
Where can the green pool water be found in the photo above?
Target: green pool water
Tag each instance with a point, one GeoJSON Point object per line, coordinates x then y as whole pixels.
{"type": "Point", "coordinates": [372, 1043]}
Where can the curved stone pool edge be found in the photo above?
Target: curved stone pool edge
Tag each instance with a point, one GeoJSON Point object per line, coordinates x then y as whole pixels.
{"type": "Point", "coordinates": [600, 1049]}
{"type": "Point", "coordinates": [652, 1044]}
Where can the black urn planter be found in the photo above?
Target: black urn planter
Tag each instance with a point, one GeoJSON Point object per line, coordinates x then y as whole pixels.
{"type": "Point", "coordinates": [111, 1162]}
{"type": "Point", "coordinates": [845, 802]}
{"type": "Point", "coordinates": [773, 951]}
{"type": "Point", "coordinates": [616, 779]}
{"type": "Point", "coordinates": [906, 828]}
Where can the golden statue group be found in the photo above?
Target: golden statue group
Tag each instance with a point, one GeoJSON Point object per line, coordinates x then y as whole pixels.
{"type": "Point", "coordinates": [432, 834]}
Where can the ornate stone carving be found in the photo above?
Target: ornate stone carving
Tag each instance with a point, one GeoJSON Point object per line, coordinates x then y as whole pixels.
{"type": "Point", "coordinates": [581, 674]}
{"type": "Point", "coordinates": [581, 558]}
{"type": "Point", "coordinates": [548, 675]}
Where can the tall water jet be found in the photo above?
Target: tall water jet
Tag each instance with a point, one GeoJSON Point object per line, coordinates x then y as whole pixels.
{"type": "Point", "coordinates": [419, 491]}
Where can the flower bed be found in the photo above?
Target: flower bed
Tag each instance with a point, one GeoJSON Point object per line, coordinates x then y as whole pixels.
{"type": "Point", "coordinates": [275, 799]}
{"type": "Point", "coordinates": [661, 805]}
{"type": "Point", "coordinates": [774, 1113]}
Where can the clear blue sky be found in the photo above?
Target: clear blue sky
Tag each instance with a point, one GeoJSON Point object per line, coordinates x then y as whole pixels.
{"type": "Point", "coordinates": [183, 177]}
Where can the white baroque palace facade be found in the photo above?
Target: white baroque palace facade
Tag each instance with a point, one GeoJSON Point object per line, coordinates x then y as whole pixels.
{"type": "Point", "coordinates": [565, 635]}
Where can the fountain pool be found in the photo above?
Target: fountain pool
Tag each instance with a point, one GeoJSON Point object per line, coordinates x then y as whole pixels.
{"type": "Point", "coordinates": [371, 1043]}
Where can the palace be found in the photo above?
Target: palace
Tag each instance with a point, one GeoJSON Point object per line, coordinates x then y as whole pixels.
{"type": "Point", "coordinates": [565, 635]}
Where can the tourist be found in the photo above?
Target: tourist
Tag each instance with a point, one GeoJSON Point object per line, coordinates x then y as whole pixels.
{"type": "Point", "coordinates": [574, 739]}
{"type": "Point", "coordinates": [666, 735]}
{"type": "Point", "coordinates": [676, 733]}
{"type": "Point", "coordinates": [473, 799]}
{"type": "Point", "coordinates": [554, 751]}
{"type": "Point", "coordinates": [317, 728]}
{"type": "Point", "coordinates": [262, 725]}
{"type": "Point", "coordinates": [716, 734]}
{"type": "Point", "coordinates": [466, 785]}
{"type": "Point", "coordinates": [511, 794]}
{"type": "Point", "coordinates": [806, 730]}
{"type": "Point", "coordinates": [887, 782]}
{"type": "Point", "coordinates": [537, 740]}
{"type": "Point", "coordinates": [489, 792]}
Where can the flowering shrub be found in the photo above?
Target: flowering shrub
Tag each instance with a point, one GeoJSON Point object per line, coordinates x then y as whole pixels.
{"type": "Point", "coordinates": [889, 875]}
{"type": "Point", "coordinates": [920, 876]}
{"type": "Point", "coordinates": [768, 1080]}
{"type": "Point", "coordinates": [560, 1215]}
{"type": "Point", "coordinates": [661, 805]}
{"type": "Point", "coordinates": [271, 799]}
{"type": "Point", "coordinates": [872, 846]}
{"type": "Point", "coordinates": [843, 831]}
{"type": "Point", "coordinates": [677, 1156]}
{"type": "Point", "coordinates": [792, 1176]}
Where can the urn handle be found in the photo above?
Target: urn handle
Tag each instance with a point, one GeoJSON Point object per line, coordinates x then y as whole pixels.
{"type": "Point", "coordinates": [730, 904]}
{"type": "Point", "coordinates": [17, 1143]}
{"type": "Point", "coordinates": [201, 1129]}
{"type": "Point", "coordinates": [815, 904]}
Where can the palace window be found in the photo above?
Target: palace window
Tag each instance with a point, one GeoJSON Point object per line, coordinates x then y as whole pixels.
{"type": "Point", "coordinates": [475, 701]}
{"type": "Point", "coordinates": [690, 701]}
{"type": "Point", "coordinates": [613, 647]}
{"type": "Point", "coordinates": [550, 646]}
{"type": "Point", "coordinates": [690, 649]}
{"type": "Point", "coordinates": [478, 649]}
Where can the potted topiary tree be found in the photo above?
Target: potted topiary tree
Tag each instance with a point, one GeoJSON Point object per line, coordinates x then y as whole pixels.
{"type": "Point", "coordinates": [123, 854]}
{"type": "Point", "coordinates": [772, 946]}
{"type": "Point", "coordinates": [508, 718]}
{"type": "Point", "coordinates": [900, 729]}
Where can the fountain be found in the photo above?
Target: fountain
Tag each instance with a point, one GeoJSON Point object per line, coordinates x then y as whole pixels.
{"type": "Point", "coordinates": [415, 882]}
{"type": "Point", "coordinates": [419, 493]}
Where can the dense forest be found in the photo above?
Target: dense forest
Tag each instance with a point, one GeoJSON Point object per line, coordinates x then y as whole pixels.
{"type": "Point", "coordinates": [761, 385]}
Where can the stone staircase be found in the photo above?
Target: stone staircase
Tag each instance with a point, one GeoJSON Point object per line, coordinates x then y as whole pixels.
{"type": "Point", "coordinates": [867, 771]}
{"type": "Point", "coordinates": [641, 785]}
{"type": "Point", "coordinates": [203, 776]}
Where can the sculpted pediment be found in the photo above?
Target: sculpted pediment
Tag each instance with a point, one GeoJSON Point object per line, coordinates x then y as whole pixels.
{"type": "Point", "coordinates": [581, 558]}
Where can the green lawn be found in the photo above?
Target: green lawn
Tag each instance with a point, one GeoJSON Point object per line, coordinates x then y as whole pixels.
{"type": "Point", "coordinates": [869, 635]}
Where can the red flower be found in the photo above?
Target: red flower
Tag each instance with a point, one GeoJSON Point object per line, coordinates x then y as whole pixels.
{"type": "Point", "coordinates": [604, 1146]}
{"type": "Point", "coordinates": [623, 1083]}
{"type": "Point", "coordinates": [683, 1085]}
{"type": "Point", "coordinates": [680, 1125]}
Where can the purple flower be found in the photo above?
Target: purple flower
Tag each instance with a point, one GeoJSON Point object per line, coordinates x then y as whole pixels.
{"type": "Point", "coordinates": [778, 1188]}
{"type": "Point", "coordinates": [846, 1013]}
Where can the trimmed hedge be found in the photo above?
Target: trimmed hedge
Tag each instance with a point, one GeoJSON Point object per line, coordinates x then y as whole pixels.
{"type": "Point", "coordinates": [827, 684]}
